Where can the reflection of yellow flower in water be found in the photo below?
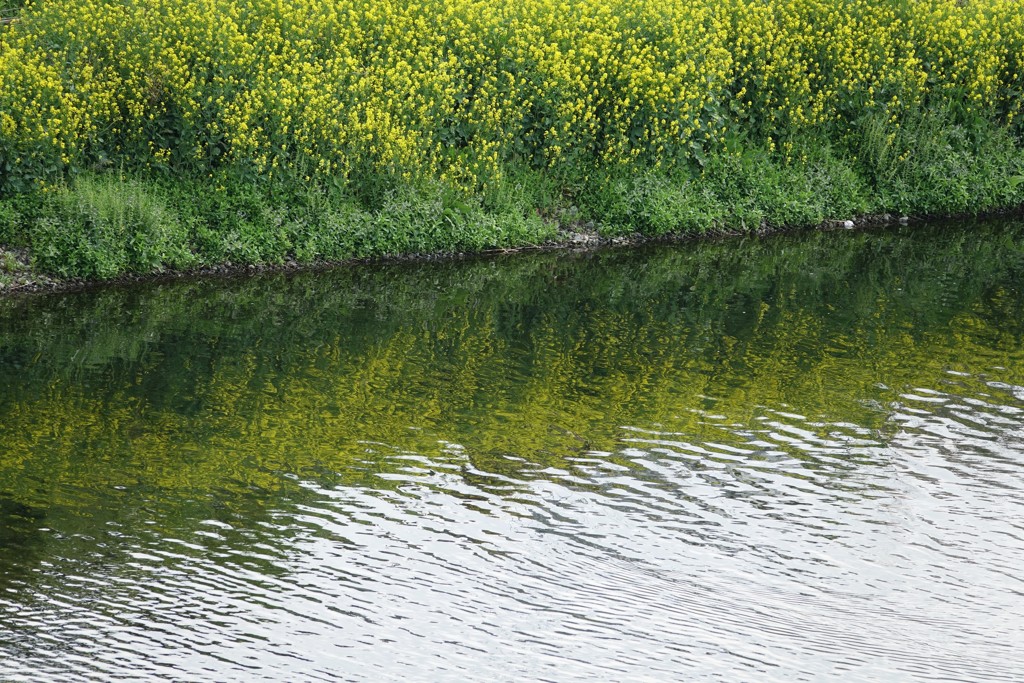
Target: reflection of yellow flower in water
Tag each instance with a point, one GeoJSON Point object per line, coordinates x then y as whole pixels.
{"type": "Point", "coordinates": [456, 89]}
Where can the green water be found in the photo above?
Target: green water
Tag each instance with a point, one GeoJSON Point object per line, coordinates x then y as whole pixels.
{"type": "Point", "coordinates": [791, 458]}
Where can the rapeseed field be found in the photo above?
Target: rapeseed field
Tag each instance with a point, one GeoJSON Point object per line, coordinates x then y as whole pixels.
{"type": "Point", "coordinates": [465, 94]}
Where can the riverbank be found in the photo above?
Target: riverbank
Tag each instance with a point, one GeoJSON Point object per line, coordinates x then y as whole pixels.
{"type": "Point", "coordinates": [147, 139]}
{"type": "Point", "coordinates": [109, 225]}
{"type": "Point", "coordinates": [19, 275]}
{"type": "Point", "coordinates": [117, 225]}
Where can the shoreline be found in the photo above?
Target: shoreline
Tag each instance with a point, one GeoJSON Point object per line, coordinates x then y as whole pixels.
{"type": "Point", "coordinates": [138, 145]}
{"type": "Point", "coordinates": [572, 238]}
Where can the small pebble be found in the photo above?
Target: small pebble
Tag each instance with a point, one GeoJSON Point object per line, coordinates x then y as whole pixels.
{"type": "Point", "coordinates": [847, 224]}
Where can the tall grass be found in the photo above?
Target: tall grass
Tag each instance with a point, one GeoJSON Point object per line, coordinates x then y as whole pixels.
{"type": "Point", "coordinates": [107, 226]}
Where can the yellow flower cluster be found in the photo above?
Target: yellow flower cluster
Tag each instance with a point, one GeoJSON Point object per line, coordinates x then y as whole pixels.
{"type": "Point", "coordinates": [806, 62]}
{"type": "Point", "coordinates": [456, 89]}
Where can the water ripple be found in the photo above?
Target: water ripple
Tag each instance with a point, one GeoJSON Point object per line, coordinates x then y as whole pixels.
{"type": "Point", "coordinates": [619, 481]}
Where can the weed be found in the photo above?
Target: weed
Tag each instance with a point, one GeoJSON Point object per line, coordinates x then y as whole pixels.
{"type": "Point", "coordinates": [106, 225]}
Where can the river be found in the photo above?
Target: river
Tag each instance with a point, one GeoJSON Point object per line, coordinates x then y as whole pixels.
{"type": "Point", "coordinates": [795, 458]}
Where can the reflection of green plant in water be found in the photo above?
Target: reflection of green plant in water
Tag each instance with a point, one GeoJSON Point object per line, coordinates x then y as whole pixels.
{"type": "Point", "coordinates": [523, 363]}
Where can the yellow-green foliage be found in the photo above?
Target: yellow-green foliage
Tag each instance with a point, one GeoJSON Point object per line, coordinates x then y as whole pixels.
{"type": "Point", "coordinates": [454, 90]}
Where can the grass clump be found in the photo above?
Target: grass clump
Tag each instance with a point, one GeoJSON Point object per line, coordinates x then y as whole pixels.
{"type": "Point", "coordinates": [103, 225]}
{"type": "Point", "coordinates": [107, 225]}
{"type": "Point", "coordinates": [740, 193]}
{"type": "Point", "coordinates": [933, 164]}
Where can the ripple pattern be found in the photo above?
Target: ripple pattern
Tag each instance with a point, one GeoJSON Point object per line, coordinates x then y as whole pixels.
{"type": "Point", "coordinates": [514, 486]}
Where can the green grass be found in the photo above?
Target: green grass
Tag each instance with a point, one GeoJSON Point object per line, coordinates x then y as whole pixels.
{"type": "Point", "coordinates": [101, 225]}
{"type": "Point", "coordinates": [107, 225]}
{"type": "Point", "coordinates": [933, 166]}
{"type": "Point", "coordinates": [744, 193]}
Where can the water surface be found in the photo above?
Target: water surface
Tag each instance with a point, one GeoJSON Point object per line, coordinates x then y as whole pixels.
{"type": "Point", "coordinates": [797, 458]}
